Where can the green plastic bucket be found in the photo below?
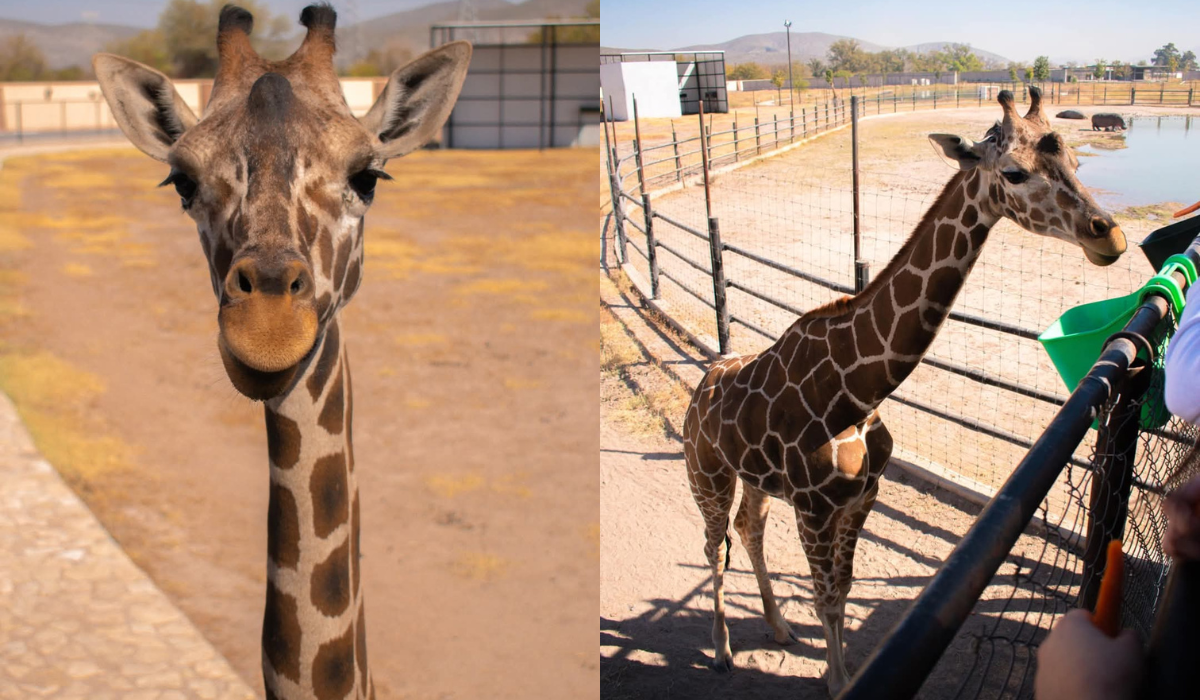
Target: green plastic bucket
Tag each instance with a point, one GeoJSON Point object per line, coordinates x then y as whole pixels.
{"type": "Point", "coordinates": [1074, 342]}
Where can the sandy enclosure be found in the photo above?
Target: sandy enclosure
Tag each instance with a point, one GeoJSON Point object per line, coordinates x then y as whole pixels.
{"type": "Point", "coordinates": [797, 209]}
{"type": "Point", "coordinates": [474, 424]}
{"type": "Point", "coordinates": [656, 597]}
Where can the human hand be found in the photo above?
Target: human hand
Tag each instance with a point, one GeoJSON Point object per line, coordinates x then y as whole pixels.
{"type": "Point", "coordinates": [1079, 662]}
{"type": "Point", "coordinates": [1182, 540]}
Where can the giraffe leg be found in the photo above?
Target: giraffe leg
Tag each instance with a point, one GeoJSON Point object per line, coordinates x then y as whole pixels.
{"type": "Point", "coordinates": [714, 496]}
{"type": "Point", "coordinates": [750, 524]}
{"type": "Point", "coordinates": [818, 533]}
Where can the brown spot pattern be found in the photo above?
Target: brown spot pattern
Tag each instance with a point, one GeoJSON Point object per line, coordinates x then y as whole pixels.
{"type": "Point", "coordinates": [283, 528]}
{"type": "Point", "coordinates": [283, 440]}
{"type": "Point", "coordinates": [332, 418]}
{"type": "Point", "coordinates": [325, 363]}
{"type": "Point", "coordinates": [333, 667]}
{"type": "Point", "coordinates": [281, 633]}
{"type": "Point", "coordinates": [328, 487]}
{"type": "Point", "coordinates": [330, 583]}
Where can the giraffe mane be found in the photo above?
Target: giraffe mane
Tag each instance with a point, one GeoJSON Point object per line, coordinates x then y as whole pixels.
{"type": "Point", "coordinates": [846, 303]}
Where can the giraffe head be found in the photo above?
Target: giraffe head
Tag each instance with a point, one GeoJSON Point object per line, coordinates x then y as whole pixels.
{"type": "Point", "coordinates": [278, 175]}
{"type": "Point", "coordinates": [1027, 173]}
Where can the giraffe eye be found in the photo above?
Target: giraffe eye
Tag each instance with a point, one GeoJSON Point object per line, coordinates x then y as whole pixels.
{"type": "Point", "coordinates": [1016, 177]}
{"type": "Point", "coordinates": [184, 185]}
{"type": "Point", "coordinates": [363, 183]}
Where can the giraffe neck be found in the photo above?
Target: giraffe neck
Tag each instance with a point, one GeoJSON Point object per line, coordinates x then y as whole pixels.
{"type": "Point", "coordinates": [878, 337]}
{"type": "Point", "coordinates": [314, 636]}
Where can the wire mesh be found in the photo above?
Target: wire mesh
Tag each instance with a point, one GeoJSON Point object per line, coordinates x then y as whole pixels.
{"type": "Point", "coordinates": [787, 227]}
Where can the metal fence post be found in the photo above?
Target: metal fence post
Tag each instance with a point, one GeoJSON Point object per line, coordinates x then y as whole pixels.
{"type": "Point", "coordinates": [862, 272]}
{"type": "Point", "coordinates": [736, 154]}
{"type": "Point", "coordinates": [718, 276]}
{"type": "Point", "coordinates": [716, 250]}
{"type": "Point", "coordinates": [614, 187]}
{"type": "Point", "coordinates": [1132, 95]}
{"type": "Point", "coordinates": [757, 137]}
{"type": "Point", "coordinates": [20, 131]}
{"type": "Point", "coordinates": [675, 147]}
{"type": "Point", "coordinates": [1108, 507]}
{"type": "Point", "coordinates": [651, 246]}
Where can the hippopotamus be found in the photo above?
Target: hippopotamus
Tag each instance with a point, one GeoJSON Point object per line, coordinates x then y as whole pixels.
{"type": "Point", "coordinates": [1107, 121]}
{"type": "Point", "coordinates": [1070, 114]}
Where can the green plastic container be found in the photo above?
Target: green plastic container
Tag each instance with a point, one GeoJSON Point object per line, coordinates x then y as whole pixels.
{"type": "Point", "coordinates": [1074, 342]}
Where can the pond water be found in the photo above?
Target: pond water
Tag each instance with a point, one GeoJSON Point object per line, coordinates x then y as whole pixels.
{"type": "Point", "coordinates": [1160, 163]}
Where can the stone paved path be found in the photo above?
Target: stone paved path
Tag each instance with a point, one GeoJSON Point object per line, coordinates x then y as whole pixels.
{"type": "Point", "coordinates": [77, 618]}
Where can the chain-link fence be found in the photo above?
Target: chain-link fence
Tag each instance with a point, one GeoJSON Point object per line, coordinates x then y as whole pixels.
{"type": "Point", "coordinates": [734, 262]}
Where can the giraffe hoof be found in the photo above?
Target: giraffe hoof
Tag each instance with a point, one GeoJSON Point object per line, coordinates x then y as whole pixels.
{"type": "Point", "coordinates": [786, 637]}
{"type": "Point", "coordinates": [722, 665]}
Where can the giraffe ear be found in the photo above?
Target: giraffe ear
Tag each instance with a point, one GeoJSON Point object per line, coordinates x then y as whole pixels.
{"type": "Point", "coordinates": [959, 152]}
{"type": "Point", "coordinates": [417, 100]}
{"type": "Point", "coordinates": [144, 104]}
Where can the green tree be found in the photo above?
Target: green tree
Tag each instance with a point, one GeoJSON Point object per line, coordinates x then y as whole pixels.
{"type": "Point", "coordinates": [188, 28]}
{"type": "Point", "coordinates": [928, 62]}
{"type": "Point", "coordinates": [21, 59]}
{"type": "Point", "coordinates": [1041, 68]}
{"type": "Point", "coordinates": [148, 46]}
{"type": "Point", "coordinates": [959, 58]}
{"type": "Point", "coordinates": [1099, 70]}
{"type": "Point", "coordinates": [747, 71]}
{"type": "Point", "coordinates": [845, 54]}
{"type": "Point", "coordinates": [779, 79]}
{"type": "Point", "coordinates": [1119, 71]}
{"type": "Point", "coordinates": [829, 76]}
{"type": "Point", "coordinates": [816, 67]}
{"type": "Point", "coordinates": [381, 61]}
{"type": "Point", "coordinates": [1187, 61]}
{"type": "Point", "coordinates": [573, 35]}
{"type": "Point", "coordinates": [1012, 71]}
{"type": "Point", "coordinates": [1164, 56]}
{"type": "Point", "coordinates": [1028, 75]}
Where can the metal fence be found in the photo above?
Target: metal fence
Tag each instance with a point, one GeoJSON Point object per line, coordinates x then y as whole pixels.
{"type": "Point", "coordinates": [1124, 385]}
{"type": "Point", "coordinates": [32, 119]}
{"type": "Point", "coordinates": [736, 266]}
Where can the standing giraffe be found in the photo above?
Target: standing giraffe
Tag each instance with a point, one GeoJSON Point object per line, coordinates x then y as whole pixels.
{"type": "Point", "coordinates": [800, 421]}
{"type": "Point", "coordinates": [278, 175]}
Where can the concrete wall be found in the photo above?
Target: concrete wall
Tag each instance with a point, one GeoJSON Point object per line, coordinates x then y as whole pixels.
{"type": "Point", "coordinates": [528, 96]}
{"type": "Point", "coordinates": [38, 108]}
{"type": "Point", "coordinates": [656, 84]}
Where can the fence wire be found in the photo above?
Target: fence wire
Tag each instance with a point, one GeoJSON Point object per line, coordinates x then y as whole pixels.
{"type": "Point", "coordinates": [786, 227]}
{"type": "Point", "coordinates": [1043, 575]}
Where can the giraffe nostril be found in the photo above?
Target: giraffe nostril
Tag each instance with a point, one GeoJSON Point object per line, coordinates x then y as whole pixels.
{"type": "Point", "coordinates": [297, 285]}
{"type": "Point", "coordinates": [1100, 227]}
{"type": "Point", "coordinates": [244, 282]}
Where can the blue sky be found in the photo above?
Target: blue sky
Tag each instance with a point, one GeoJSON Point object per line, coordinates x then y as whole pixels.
{"type": "Point", "coordinates": [144, 13]}
{"type": "Point", "coordinates": [1018, 29]}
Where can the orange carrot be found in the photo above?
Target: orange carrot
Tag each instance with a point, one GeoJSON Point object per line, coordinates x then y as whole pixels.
{"type": "Point", "coordinates": [1108, 604]}
{"type": "Point", "coordinates": [1187, 210]}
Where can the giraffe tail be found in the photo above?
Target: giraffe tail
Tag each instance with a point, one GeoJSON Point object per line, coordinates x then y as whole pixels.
{"type": "Point", "coordinates": [728, 549]}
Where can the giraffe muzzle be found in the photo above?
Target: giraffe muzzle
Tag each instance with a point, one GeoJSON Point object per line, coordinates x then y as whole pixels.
{"type": "Point", "coordinates": [268, 318]}
{"type": "Point", "coordinates": [1107, 244]}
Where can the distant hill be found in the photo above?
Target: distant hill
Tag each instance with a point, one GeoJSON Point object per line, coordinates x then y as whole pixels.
{"type": "Point", "coordinates": [67, 44]}
{"type": "Point", "coordinates": [772, 48]}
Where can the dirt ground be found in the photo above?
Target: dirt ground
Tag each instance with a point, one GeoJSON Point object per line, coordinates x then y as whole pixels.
{"type": "Point", "coordinates": [474, 351]}
{"type": "Point", "coordinates": [655, 595]}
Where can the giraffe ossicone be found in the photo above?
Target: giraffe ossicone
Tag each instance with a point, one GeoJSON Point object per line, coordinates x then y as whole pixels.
{"type": "Point", "coordinates": [799, 421]}
{"type": "Point", "coordinates": [278, 175]}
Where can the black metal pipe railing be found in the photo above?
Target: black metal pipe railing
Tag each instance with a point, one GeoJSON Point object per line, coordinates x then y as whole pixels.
{"type": "Point", "coordinates": [900, 664]}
